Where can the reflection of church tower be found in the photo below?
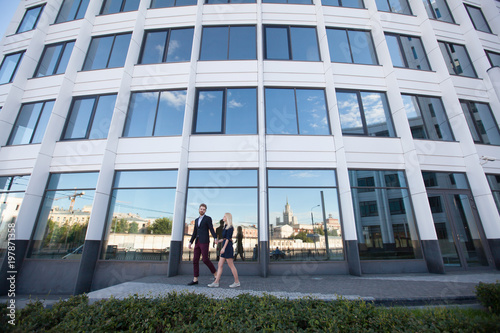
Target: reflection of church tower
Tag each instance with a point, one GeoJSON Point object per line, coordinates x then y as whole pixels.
{"type": "Point", "coordinates": [288, 218]}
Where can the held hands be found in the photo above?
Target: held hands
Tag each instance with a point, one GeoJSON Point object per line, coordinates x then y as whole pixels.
{"type": "Point", "coordinates": [189, 246]}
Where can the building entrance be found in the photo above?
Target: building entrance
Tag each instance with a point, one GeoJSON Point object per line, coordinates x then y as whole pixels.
{"type": "Point", "coordinates": [459, 231]}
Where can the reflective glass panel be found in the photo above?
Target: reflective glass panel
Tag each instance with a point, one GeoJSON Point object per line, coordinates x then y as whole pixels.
{"type": "Point", "coordinates": [414, 53]}
{"type": "Point", "coordinates": [102, 117]}
{"type": "Point", "coordinates": [397, 56]}
{"type": "Point", "coordinates": [304, 44]}
{"type": "Point", "coordinates": [350, 113]}
{"type": "Point", "coordinates": [170, 117]}
{"type": "Point", "coordinates": [141, 114]}
{"type": "Point", "coordinates": [242, 43]}
{"type": "Point", "coordinates": [119, 52]}
{"type": "Point", "coordinates": [281, 115]}
{"type": "Point", "coordinates": [481, 121]}
{"type": "Point", "coordinates": [30, 19]}
{"type": "Point", "coordinates": [277, 43]}
{"type": "Point", "coordinates": [9, 66]}
{"type": "Point", "coordinates": [362, 49]}
{"type": "Point", "coordinates": [78, 123]}
{"type": "Point", "coordinates": [145, 179]}
{"type": "Point", "coordinates": [222, 178]}
{"type": "Point", "coordinates": [154, 47]}
{"type": "Point", "coordinates": [311, 110]}
{"type": "Point", "coordinates": [377, 114]}
{"type": "Point", "coordinates": [494, 181]}
{"type": "Point", "coordinates": [445, 180]}
{"type": "Point", "coordinates": [338, 45]}
{"type": "Point", "coordinates": [241, 111]}
{"type": "Point", "coordinates": [438, 9]}
{"type": "Point", "coordinates": [98, 53]}
{"type": "Point", "coordinates": [494, 58]}
{"type": "Point", "coordinates": [209, 111]}
{"type": "Point", "coordinates": [179, 45]}
{"type": "Point", "coordinates": [304, 218]}
{"type": "Point", "coordinates": [54, 59]}
{"type": "Point", "coordinates": [457, 59]}
{"type": "Point", "coordinates": [478, 19]}
{"type": "Point", "coordinates": [72, 10]}
{"type": "Point", "coordinates": [215, 43]}
{"type": "Point", "coordinates": [172, 3]}
{"type": "Point", "coordinates": [31, 123]}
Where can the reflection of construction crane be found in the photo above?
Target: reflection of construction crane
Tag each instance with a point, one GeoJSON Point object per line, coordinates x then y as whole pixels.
{"type": "Point", "coordinates": [72, 198]}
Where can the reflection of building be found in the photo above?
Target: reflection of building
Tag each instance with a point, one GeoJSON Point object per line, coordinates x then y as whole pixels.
{"type": "Point", "coordinates": [288, 218]}
{"type": "Point", "coordinates": [62, 216]}
{"type": "Point", "coordinates": [249, 231]}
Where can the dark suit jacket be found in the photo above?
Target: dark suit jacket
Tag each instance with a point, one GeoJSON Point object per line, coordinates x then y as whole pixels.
{"type": "Point", "coordinates": [202, 231]}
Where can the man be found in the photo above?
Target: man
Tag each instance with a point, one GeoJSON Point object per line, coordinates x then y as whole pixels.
{"type": "Point", "coordinates": [218, 231]}
{"type": "Point", "coordinates": [200, 236]}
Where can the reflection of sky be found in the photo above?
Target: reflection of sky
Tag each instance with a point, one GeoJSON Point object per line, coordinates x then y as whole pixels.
{"type": "Point", "coordinates": [241, 203]}
{"type": "Point", "coordinates": [373, 107]}
{"type": "Point", "coordinates": [63, 201]}
{"type": "Point", "coordinates": [349, 110]}
{"type": "Point", "coordinates": [303, 178]}
{"type": "Point", "coordinates": [147, 203]}
{"type": "Point", "coordinates": [301, 201]}
{"type": "Point", "coordinates": [410, 106]}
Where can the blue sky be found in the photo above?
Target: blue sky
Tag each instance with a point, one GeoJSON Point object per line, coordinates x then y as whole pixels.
{"type": "Point", "coordinates": [8, 10]}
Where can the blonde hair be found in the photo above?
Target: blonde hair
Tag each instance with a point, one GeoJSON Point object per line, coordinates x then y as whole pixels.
{"type": "Point", "coordinates": [229, 220]}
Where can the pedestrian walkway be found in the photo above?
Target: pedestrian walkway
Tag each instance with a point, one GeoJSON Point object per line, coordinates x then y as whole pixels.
{"type": "Point", "coordinates": [385, 289]}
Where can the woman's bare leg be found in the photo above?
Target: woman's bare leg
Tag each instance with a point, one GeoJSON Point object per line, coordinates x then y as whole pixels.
{"type": "Point", "coordinates": [219, 269]}
{"type": "Point", "coordinates": [233, 270]}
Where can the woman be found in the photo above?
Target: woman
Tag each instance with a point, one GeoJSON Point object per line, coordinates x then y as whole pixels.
{"type": "Point", "coordinates": [227, 252]}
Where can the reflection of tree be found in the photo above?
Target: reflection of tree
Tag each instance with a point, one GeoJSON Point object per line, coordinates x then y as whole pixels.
{"type": "Point", "coordinates": [133, 228]}
{"type": "Point", "coordinates": [161, 226]}
{"type": "Point", "coordinates": [66, 234]}
{"type": "Point", "coordinates": [321, 232]}
{"type": "Point", "coordinates": [120, 226]}
{"type": "Point", "coordinates": [303, 236]}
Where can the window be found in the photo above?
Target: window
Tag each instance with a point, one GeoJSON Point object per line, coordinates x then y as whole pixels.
{"type": "Point", "coordinates": [303, 2]}
{"type": "Point", "coordinates": [228, 43]}
{"type": "Point", "coordinates": [30, 19]}
{"type": "Point", "coordinates": [351, 46]}
{"type": "Point", "coordinates": [231, 190]}
{"type": "Point", "coordinates": [384, 218]}
{"type": "Point", "coordinates": [12, 190]}
{"type": "Point", "coordinates": [494, 181]}
{"type": "Point", "coordinates": [364, 113]}
{"type": "Point", "coordinates": [89, 117]}
{"type": "Point", "coordinates": [54, 59]}
{"type": "Point", "coordinates": [211, 2]}
{"type": "Point", "coordinates": [445, 180]}
{"type": "Point", "coordinates": [118, 6]}
{"type": "Point", "coordinates": [139, 223]}
{"type": "Point", "coordinates": [72, 10]}
{"type": "Point", "coordinates": [9, 66]}
{"type": "Point", "coordinates": [494, 58]}
{"type": "Point", "coordinates": [68, 197]}
{"type": "Point", "coordinates": [107, 52]}
{"type": "Point", "coordinates": [304, 215]}
{"type": "Point", "coordinates": [296, 111]}
{"type": "Point", "coordinates": [407, 51]}
{"type": "Point", "coordinates": [477, 18]}
{"type": "Point", "coordinates": [291, 43]}
{"type": "Point", "coordinates": [343, 3]}
{"type": "Point", "coordinates": [482, 124]}
{"type": "Point", "coordinates": [457, 59]}
{"type": "Point", "coordinates": [172, 3]}
{"type": "Point", "coordinates": [427, 118]}
{"type": "Point", "coordinates": [171, 45]}
{"type": "Point", "coordinates": [394, 6]}
{"type": "Point", "coordinates": [438, 10]}
{"type": "Point", "coordinates": [155, 113]}
{"type": "Point", "coordinates": [31, 123]}
{"type": "Point", "coordinates": [226, 111]}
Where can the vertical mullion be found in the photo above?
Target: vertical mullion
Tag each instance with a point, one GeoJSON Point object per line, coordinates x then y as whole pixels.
{"type": "Point", "coordinates": [58, 62]}
{"type": "Point", "coordinates": [296, 109]}
{"type": "Point", "coordinates": [403, 53]}
{"type": "Point", "coordinates": [349, 43]}
{"type": "Point", "coordinates": [362, 112]}
{"type": "Point", "coordinates": [289, 35]}
{"type": "Point", "coordinates": [111, 51]}
{"type": "Point", "coordinates": [77, 10]}
{"type": "Point", "coordinates": [156, 113]}
{"type": "Point", "coordinates": [165, 49]}
{"type": "Point", "coordinates": [92, 116]}
{"type": "Point", "coordinates": [224, 110]}
{"type": "Point", "coordinates": [228, 41]}
{"type": "Point", "coordinates": [424, 119]}
{"type": "Point", "coordinates": [37, 122]}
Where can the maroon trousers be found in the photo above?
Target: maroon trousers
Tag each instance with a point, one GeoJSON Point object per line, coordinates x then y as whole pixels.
{"type": "Point", "coordinates": [203, 250]}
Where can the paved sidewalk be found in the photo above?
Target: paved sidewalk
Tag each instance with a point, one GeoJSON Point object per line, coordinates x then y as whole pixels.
{"type": "Point", "coordinates": [385, 289]}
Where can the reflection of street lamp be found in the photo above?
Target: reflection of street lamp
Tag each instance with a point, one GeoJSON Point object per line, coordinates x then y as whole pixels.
{"type": "Point", "coordinates": [312, 222]}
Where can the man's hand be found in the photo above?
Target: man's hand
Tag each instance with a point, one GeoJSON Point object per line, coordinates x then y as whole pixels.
{"type": "Point", "coordinates": [189, 246]}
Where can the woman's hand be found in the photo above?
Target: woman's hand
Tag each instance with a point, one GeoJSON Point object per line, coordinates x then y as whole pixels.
{"type": "Point", "coordinates": [222, 250]}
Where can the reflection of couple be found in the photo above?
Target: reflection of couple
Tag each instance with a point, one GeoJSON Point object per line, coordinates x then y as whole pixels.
{"type": "Point", "coordinates": [202, 226]}
{"type": "Point", "coordinates": [238, 242]}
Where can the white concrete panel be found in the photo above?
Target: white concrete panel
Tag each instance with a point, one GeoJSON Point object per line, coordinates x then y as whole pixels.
{"type": "Point", "coordinates": [314, 151]}
{"type": "Point", "coordinates": [239, 73]}
{"type": "Point", "coordinates": [42, 88]}
{"type": "Point", "coordinates": [289, 73]}
{"type": "Point", "coordinates": [229, 14]}
{"type": "Point", "coordinates": [447, 32]}
{"type": "Point", "coordinates": [148, 153]}
{"type": "Point", "coordinates": [17, 42]}
{"type": "Point", "coordinates": [227, 151]}
{"type": "Point", "coordinates": [63, 31]}
{"type": "Point", "coordinates": [490, 42]}
{"type": "Point", "coordinates": [404, 24]}
{"type": "Point", "coordinates": [491, 152]}
{"type": "Point", "coordinates": [160, 76]}
{"type": "Point", "coordinates": [290, 14]}
{"type": "Point", "coordinates": [417, 81]}
{"type": "Point", "coordinates": [170, 17]}
{"type": "Point", "coordinates": [344, 17]}
{"type": "Point", "coordinates": [470, 88]}
{"type": "Point", "coordinates": [114, 23]}
{"type": "Point", "coordinates": [78, 155]}
{"type": "Point", "coordinates": [101, 81]}
{"type": "Point", "coordinates": [16, 160]}
{"type": "Point", "coordinates": [372, 152]}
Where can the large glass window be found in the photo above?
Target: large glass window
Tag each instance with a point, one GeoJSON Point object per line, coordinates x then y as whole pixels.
{"type": "Point", "coordinates": [30, 19]}
{"type": "Point", "coordinates": [477, 18]}
{"type": "Point", "coordinates": [364, 113]}
{"type": "Point", "coordinates": [139, 223]}
{"type": "Point", "coordinates": [118, 6]}
{"type": "Point", "coordinates": [304, 2]}
{"type": "Point", "coordinates": [291, 43]}
{"type": "Point", "coordinates": [225, 191]}
{"type": "Point", "coordinates": [170, 45]}
{"type": "Point", "coordinates": [12, 190]}
{"type": "Point", "coordinates": [351, 46]}
{"type": "Point", "coordinates": [296, 111]}
{"type": "Point", "coordinates": [407, 51]}
{"type": "Point", "coordinates": [228, 43]}
{"type": "Point", "coordinates": [54, 59]}
{"type": "Point", "coordinates": [438, 10]}
{"type": "Point", "coordinates": [107, 52]}
{"type": "Point", "coordinates": [385, 223]}
{"type": "Point", "coordinates": [304, 216]}
{"type": "Point", "coordinates": [427, 118]}
{"type": "Point", "coordinates": [214, 2]}
{"type": "Point", "coordinates": [394, 6]}
{"type": "Point", "coordinates": [172, 3]}
{"type": "Point", "coordinates": [226, 111]}
{"type": "Point", "coordinates": [494, 58]}
{"type": "Point", "coordinates": [64, 216]}
{"type": "Point", "coordinates": [343, 3]}
{"type": "Point", "coordinates": [89, 117]}
{"type": "Point", "coordinates": [72, 10]}
{"type": "Point", "coordinates": [482, 124]}
{"type": "Point", "coordinates": [31, 123]}
{"type": "Point", "coordinates": [494, 181]}
{"type": "Point", "coordinates": [457, 59]}
{"type": "Point", "coordinates": [9, 66]}
{"type": "Point", "coordinates": [155, 113]}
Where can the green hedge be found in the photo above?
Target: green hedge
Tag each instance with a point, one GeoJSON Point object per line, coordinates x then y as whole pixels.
{"type": "Point", "coordinates": [488, 295]}
{"type": "Point", "coordinates": [187, 312]}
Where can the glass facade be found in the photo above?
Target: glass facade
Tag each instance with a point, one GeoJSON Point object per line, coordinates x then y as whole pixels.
{"type": "Point", "coordinates": [351, 46]}
{"type": "Point", "coordinates": [31, 123]}
{"type": "Point", "coordinates": [438, 10]}
{"type": "Point", "coordinates": [482, 124]}
{"type": "Point", "coordinates": [171, 45]}
{"type": "Point", "coordinates": [477, 18]}
{"type": "Point", "coordinates": [224, 191]}
{"type": "Point", "coordinates": [291, 43]}
{"type": "Point", "coordinates": [385, 222]}
{"type": "Point", "coordinates": [72, 10]}
{"type": "Point", "coordinates": [407, 51]}
{"type": "Point", "coordinates": [107, 52]}
{"type": "Point", "coordinates": [229, 43]}
{"type": "Point", "coordinates": [30, 19]}
{"type": "Point", "coordinates": [9, 66]}
{"type": "Point", "coordinates": [54, 59]}
{"type": "Point", "coordinates": [457, 59]}
{"type": "Point", "coordinates": [64, 216]}
{"type": "Point", "coordinates": [304, 216]}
